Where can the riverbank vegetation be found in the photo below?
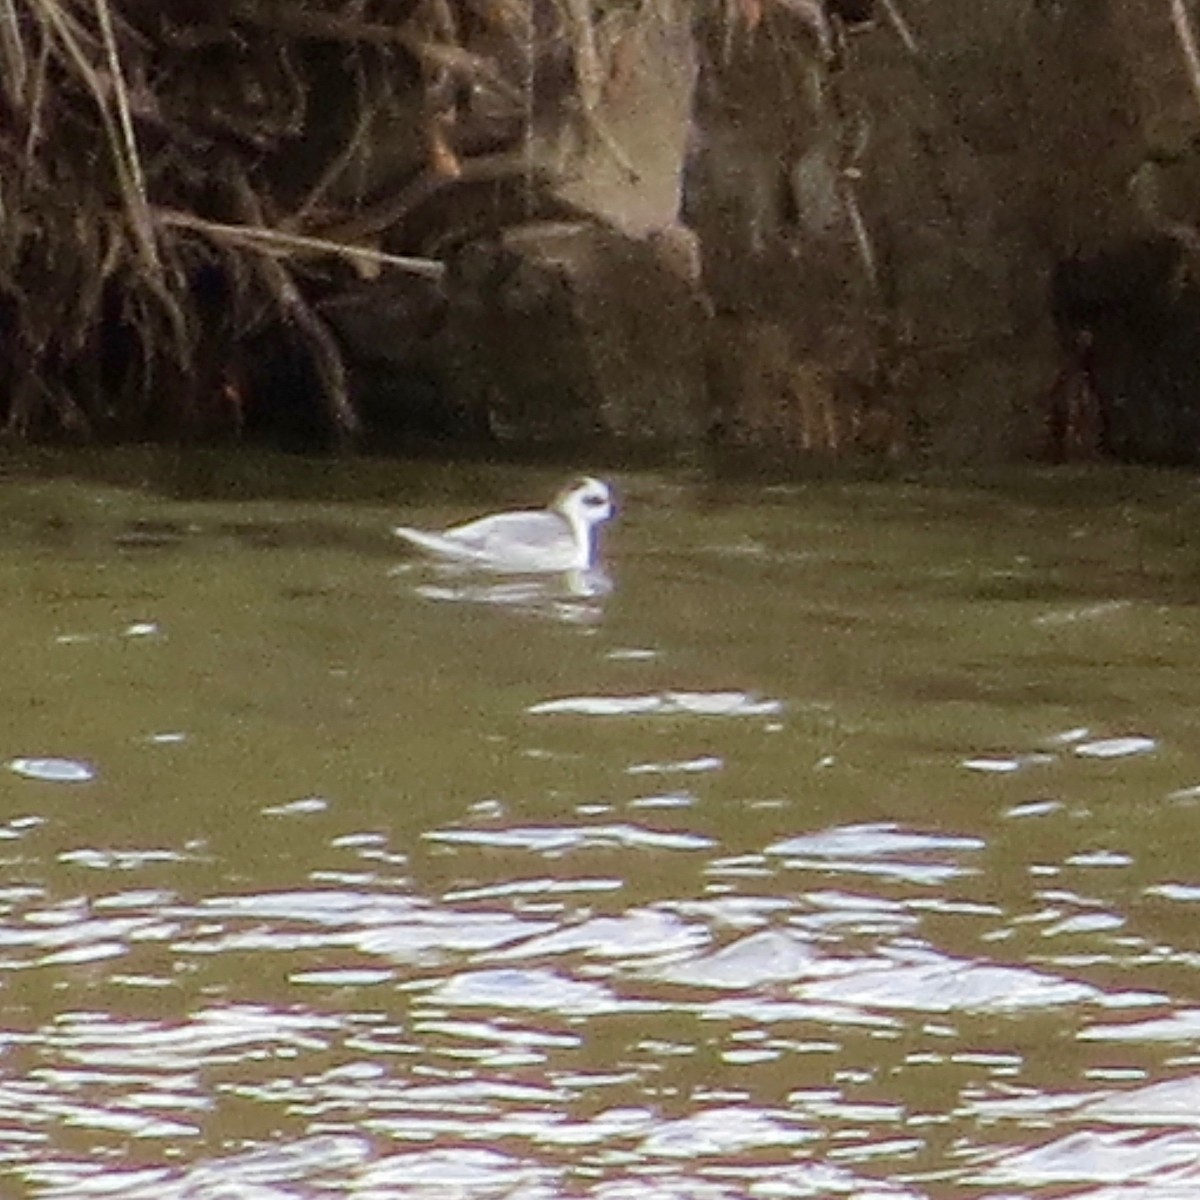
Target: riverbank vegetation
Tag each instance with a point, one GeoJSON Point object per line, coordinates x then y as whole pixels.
{"type": "Point", "coordinates": [177, 182]}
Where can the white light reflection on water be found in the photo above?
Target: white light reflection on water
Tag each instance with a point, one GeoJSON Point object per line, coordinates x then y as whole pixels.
{"type": "Point", "coordinates": [53, 770]}
{"type": "Point", "coordinates": [705, 704]}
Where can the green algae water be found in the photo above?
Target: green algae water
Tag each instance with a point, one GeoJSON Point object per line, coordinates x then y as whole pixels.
{"type": "Point", "coordinates": [845, 845]}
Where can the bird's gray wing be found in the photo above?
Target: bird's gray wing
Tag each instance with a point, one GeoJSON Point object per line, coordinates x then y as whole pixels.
{"type": "Point", "coordinates": [435, 543]}
{"type": "Point", "coordinates": [512, 542]}
{"type": "Point", "coordinates": [507, 533]}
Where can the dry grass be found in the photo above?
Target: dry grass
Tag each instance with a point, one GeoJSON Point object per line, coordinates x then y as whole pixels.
{"type": "Point", "coordinates": [145, 233]}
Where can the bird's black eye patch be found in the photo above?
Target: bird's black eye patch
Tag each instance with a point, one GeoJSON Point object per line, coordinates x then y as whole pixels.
{"type": "Point", "coordinates": [594, 501]}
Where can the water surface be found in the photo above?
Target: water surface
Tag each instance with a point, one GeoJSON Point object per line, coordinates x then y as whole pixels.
{"type": "Point", "coordinates": [845, 848]}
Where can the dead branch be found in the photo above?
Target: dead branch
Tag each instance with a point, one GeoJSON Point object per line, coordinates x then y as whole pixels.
{"type": "Point", "coordinates": [282, 244]}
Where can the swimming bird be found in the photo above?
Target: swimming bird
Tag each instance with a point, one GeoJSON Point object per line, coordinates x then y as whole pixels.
{"type": "Point", "coordinates": [561, 538]}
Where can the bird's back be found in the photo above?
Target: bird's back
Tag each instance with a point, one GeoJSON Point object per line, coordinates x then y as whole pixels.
{"type": "Point", "coordinates": [517, 541]}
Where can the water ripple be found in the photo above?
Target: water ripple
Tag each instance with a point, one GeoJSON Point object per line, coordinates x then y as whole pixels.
{"type": "Point", "coordinates": [636, 934]}
{"type": "Point", "coordinates": [723, 1131]}
{"type": "Point", "coordinates": [53, 770]}
{"type": "Point", "coordinates": [698, 704]}
{"type": "Point", "coordinates": [537, 989]}
{"type": "Point", "coordinates": [886, 851]}
{"type": "Point", "coordinates": [1096, 1157]}
{"type": "Point", "coordinates": [552, 840]}
{"type": "Point", "coordinates": [943, 985]}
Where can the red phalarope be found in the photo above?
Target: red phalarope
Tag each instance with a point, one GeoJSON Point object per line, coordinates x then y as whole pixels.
{"type": "Point", "coordinates": [561, 538]}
